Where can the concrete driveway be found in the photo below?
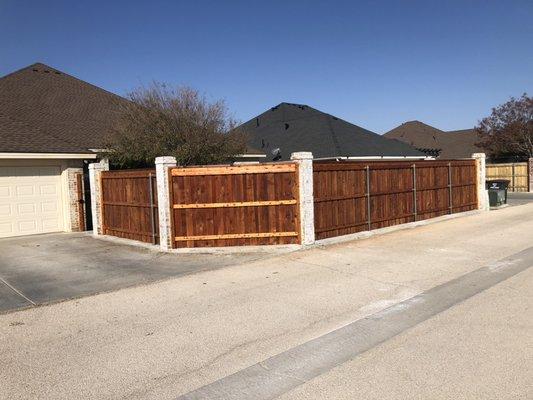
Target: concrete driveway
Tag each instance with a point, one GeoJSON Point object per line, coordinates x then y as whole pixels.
{"type": "Point", "coordinates": [48, 268]}
{"type": "Point", "coordinates": [519, 198]}
{"type": "Point", "coordinates": [452, 293]}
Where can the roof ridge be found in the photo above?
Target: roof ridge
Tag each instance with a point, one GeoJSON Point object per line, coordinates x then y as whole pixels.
{"type": "Point", "coordinates": [63, 73]}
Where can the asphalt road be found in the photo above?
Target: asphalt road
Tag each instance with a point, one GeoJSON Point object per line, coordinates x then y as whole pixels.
{"type": "Point", "coordinates": [441, 311]}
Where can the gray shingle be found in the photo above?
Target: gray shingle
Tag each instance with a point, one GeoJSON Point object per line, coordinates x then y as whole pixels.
{"type": "Point", "coordinates": [296, 127]}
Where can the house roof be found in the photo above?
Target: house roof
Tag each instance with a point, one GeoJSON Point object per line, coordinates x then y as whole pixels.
{"type": "Point", "coordinates": [452, 144]}
{"type": "Point", "coordinates": [44, 110]}
{"type": "Point", "coordinates": [296, 127]}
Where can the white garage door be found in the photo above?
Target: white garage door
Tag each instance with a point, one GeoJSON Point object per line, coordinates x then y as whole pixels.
{"type": "Point", "coordinates": [30, 200]}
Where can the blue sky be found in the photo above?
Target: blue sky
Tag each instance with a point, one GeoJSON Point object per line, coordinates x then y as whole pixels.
{"type": "Point", "coordinates": [374, 63]}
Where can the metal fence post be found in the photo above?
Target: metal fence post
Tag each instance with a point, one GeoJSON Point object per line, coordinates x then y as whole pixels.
{"type": "Point", "coordinates": [450, 187]}
{"type": "Point", "coordinates": [368, 197]}
{"type": "Point", "coordinates": [414, 192]}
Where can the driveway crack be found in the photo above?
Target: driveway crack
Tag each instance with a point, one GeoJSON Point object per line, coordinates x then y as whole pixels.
{"type": "Point", "coordinates": [14, 289]}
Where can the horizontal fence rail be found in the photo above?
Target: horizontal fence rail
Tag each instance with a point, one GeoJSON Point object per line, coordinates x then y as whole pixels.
{"type": "Point", "coordinates": [516, 173]}
{"type": "Point", "coordinates": [353, 196]}
{"type": "Point", "coordinates": [235, 205]}
{"type": "Point", "coordinates": [129, 205]}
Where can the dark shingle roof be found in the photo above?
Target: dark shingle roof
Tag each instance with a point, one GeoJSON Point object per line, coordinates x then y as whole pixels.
{"type": "Point", "coordinates": [296, 127]}
{"type": "Point", "coordinates": [452, 144]}
{"type": "Point", "coordinates": [44, 110]}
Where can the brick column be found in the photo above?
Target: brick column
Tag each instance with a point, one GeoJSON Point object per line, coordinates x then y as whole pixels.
{"type": "Point", "coordinates": [95, 170]}
{"type": "Point", "coordinates": [482, 193]}
{"type": "Point", "coordinates": [307, 207]}
{"type": "Point", "coordinates": [530, 174]}
{"type": "Point", "coordinates": [162, 165]}
{"type": "Point", "coordinates": [73, 209]}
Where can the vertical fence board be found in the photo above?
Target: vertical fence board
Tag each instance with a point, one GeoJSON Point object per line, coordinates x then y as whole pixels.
{"type": "Point", "coordinates": [343, 197]}
{"type": "Point", "coordinates": [129, 205]}
{"type": "Point", "coordinates": [218, 206]}
{"type": "Point", "coordinates": [516, 173]}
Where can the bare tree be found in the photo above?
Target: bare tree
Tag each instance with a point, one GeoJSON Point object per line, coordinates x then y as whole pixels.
{"type": "Point", "coordinates": [508, 131]}
{"type": "Point", "coordinates": [160, 121]}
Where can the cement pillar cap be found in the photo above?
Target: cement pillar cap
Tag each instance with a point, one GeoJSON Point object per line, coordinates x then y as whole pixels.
{"type": "Point", "coordinates": [302, 155]}
{"type": "Point", "coordinates": [165, 160]}
{"type": "Point", "coordinates": [479, 155]}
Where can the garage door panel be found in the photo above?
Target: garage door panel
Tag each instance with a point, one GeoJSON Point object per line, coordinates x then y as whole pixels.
{"type": "Point", "coordinates": [24, 190]}
{"type": "Point", "coordinates": [6, 229]}
{"type": "Point", "coordinates": [5, 210]}
{"type": "Point", "coordinates": [51, 225]}
{"type": "Point", "coordinates": [24, 209]}
{"type": "Point", "coordinates": [48, 190]}
{"type": "Point", "coordinates": [49, 207]}
{"type": "Point", "coordinates": [30, 200]}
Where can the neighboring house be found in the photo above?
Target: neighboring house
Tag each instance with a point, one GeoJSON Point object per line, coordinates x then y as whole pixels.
{"type": "Point", "coordinates": [51, 126]}
{"type": "Point", "coordinates": [288, 128]}
{"type": "Point", "coordinates": [437, 143]}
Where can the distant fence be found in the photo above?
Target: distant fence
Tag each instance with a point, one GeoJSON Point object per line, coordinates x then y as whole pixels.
{"type": "Point", "coordinates": [516, 173]}
{"type": "Point", "coordinates": [235, 205]}
{"type": "Point", "coordinates": [353, 196]}
{"type": "Point", "coordinates": [129, 205]}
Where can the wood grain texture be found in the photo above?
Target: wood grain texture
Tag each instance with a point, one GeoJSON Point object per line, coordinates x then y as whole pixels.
{"type": "Point", "coordinates": [129, 205]}
{"type": "Point", "coordinates": [235, 205]}
{"type": "Point", "coordinates": [342, 203]}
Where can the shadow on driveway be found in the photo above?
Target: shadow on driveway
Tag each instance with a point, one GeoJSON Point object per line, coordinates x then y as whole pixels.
{"type": "Point", "coordinates": [49, 268]}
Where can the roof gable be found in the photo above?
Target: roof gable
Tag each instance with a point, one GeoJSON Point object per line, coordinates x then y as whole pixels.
{"type": "Point", "coordinates": [45, 110]}
{"type": "Point", "coordinates": [296, 127]}
{"type": "Point", "coordinates": [453, 144]}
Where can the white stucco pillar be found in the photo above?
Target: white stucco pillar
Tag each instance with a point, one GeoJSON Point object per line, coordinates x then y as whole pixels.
{"type": "Point", "coordinates": [530, 175]}
{"type": "Point", "coordinates": [482, 193]}
{"type": "Point", "coordinates": [162, 170]}
{"type": "Point", "coordinates": [305, 184]}
{"type": "Point", "coordinates": [95, 170]}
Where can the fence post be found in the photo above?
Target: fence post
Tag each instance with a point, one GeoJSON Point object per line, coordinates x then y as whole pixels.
{"type": "Point", "coordinates": [305, 186]}
{"type": "Point", "coordinates": [450, 189]}
{"type": "Point", "coordinates": [530, 175]}
{"type": "Point", "coordinates": [162, 165]}
{"type": "Point", "coordinates": [482, 193]}
{"type": "Point", "coordinates": [415, 211]}
{"type": "Point", "coordinates": [95, 172]}
{"type": "Point", "coordinates": [367, 194]}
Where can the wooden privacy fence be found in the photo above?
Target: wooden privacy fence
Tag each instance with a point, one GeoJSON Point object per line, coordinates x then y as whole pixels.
{"type": "Point", "coordinates": [129, 205]}
{"type": "Point", "coordinates": [516, 173]}
{"type": "Point", "coordinates": [353, 196]}
{"type": "Point", "coordinates": [235, 205]}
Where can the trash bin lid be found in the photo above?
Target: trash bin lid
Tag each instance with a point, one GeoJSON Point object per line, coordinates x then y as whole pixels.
{"type": "Point", "coordinates": [497, 184]}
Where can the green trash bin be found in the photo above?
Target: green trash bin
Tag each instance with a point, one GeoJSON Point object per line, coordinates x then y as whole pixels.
{"type": "Point", "coordinates": [497, 191]}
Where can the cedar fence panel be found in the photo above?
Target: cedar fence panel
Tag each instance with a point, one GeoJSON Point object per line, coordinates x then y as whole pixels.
{"type": "Point", "coordinates": [354, 196]}
{"type": "Point", "coordinates": [516, 173]}
{"type": "Point", "coordinates": [129, 205]}
{"type": "Point", "coordinates": [235, 205]}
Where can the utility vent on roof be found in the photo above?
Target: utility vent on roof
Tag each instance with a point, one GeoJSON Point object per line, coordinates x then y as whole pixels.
{"type": "Point", "coordinates": [286, 126]}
